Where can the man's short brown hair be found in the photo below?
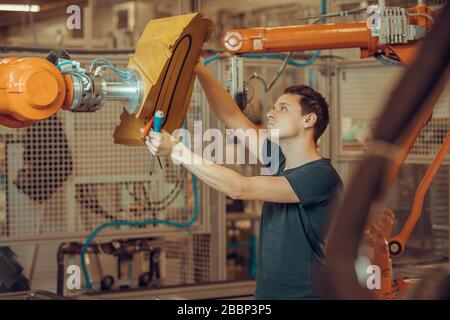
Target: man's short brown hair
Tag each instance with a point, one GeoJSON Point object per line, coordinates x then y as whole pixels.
{"type": "Point", "coordinates": [312, 101]}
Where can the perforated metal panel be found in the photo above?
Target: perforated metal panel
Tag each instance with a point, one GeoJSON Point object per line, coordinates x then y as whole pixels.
{"type": "Point", "coordinates": [439, 214]}
{"type": "Point", "coordinates": [64, 176]}
{"type": "Point", "coordinates": [362, 92]}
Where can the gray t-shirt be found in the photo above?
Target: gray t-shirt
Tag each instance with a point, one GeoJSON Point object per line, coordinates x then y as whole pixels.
{"type": "Point", "coordinates": [286, 260]}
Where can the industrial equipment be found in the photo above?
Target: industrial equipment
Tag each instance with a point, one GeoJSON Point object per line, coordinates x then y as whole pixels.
{"type": "Point", "coordinates": [139, 263]}
{"type": "Point", "coordinates": [33, 89]}
{"type": "Point", "coordinates": [11, 277]}
{"type": "Point", "coordinates": [390, 34]}
{"type": "Point", "coordinates": [393, 34]}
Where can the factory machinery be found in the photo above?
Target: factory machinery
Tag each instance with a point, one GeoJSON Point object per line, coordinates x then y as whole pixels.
{"type": "Point", "coordinates": [33, 89]}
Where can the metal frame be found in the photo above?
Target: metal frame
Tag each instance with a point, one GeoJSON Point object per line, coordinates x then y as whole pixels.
{"type": "Point", "coordinates": [214, 201]}
{"type": "Point", "coordinates": [242, 290]}
{"type": "Point", "coordinates": [337, 109]}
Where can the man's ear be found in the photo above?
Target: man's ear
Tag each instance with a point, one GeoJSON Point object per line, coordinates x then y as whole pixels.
{"type": "Point", "coordinates": [310, 120]}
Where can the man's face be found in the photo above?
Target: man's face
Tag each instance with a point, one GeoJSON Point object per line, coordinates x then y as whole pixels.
{"type": "Point", "coordinates": [286, 116]}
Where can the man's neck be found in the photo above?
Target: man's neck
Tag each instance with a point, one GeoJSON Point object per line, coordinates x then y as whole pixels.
{"type": "Point", "coordinates": [298, 151]}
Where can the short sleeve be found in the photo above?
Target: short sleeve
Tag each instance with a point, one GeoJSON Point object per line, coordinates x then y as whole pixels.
{"type": "Point", "coordinates": [313, 185]}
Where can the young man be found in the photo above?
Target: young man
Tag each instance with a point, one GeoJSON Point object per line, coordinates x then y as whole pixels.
{"type": "Point", "coordinates": [296, 196]}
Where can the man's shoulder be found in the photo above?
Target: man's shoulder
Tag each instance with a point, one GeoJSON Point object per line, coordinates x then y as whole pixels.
{"type": "Point", "coordinates": [325, 164]}
{"type": "Point", "coordinates": [320, 168]}
{"type": "Point", "coordinates": [319, 164]}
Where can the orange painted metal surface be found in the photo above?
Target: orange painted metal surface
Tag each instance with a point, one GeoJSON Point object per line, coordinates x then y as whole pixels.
{"type": "Point", "coordinates": [378, 230]}
{"type": "Point", "coordinates": [406, 142]}
{"type": "Point", "coordinates": [31, 89]}
{"type": "Point", "coordinates": [321, 37]}
{"type": "Point", "coordinates": [147, 128]}
{"type": "Point", "coordinates": [300, 38]}
{"type": "Point", "coordinates": [421, 20]}
{"type": "Point", "coordinates": [419, 197]}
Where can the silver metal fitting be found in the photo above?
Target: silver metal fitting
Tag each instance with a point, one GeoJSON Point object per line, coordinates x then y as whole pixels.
{"type": "Point", "coordinates": [91, 93]}
{"type": "Point", "coordinates": [395, 29]}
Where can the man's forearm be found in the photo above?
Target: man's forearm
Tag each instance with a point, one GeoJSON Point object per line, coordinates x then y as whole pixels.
{"type": "Point", "coordinates": [231, 183]}
{"type": "Point", "coordinates": [226, 109]}
{"type": "Point", "coordinates": [220, 101]}
{"type": "Point", "coordinates": [216, 176]}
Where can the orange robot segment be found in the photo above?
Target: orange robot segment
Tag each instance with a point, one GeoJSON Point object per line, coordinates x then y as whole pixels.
{"type": "Point", "coordinates": [33, 90]}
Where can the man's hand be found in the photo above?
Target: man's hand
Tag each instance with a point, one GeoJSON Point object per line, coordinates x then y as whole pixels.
{"type": "Point", "coordinates": [160, 143]}
{"type": "Point", "coordinates": [200, 67]}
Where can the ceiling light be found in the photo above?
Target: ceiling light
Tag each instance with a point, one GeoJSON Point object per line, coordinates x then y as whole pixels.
{"type": "Point", "coordinates": [20, 7]}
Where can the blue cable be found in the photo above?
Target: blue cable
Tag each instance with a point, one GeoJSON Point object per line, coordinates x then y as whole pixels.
{"type": "Point", "coordinates": [97, 230]}
{"type": "Point", "coordinates": [105, 61]}
{"type": "Point", "coordinates": [279, 56]}
{"type": "Point", "coordinates": [122, 74]}
{"type": "Point", "coordinates": [108, 64]}
{"type": "Point", "coordinates": [211, 59]}
{"type": "Point", "coordinates": [63, 63]}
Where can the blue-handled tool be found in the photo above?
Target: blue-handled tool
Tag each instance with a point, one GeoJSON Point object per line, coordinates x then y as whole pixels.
{"type": "Point", "coordinates": [158, 120]}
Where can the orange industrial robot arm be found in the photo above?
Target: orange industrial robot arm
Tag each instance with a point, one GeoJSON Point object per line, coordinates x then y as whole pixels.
{"type": "Point", "coordinates": [396, 31]}
{"type": "Point", "coordinates": [34, 89]}
{"type": "Point", "coordinates": [159, 77]}
{"type": "Point", "coordinates": [31, 89]}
